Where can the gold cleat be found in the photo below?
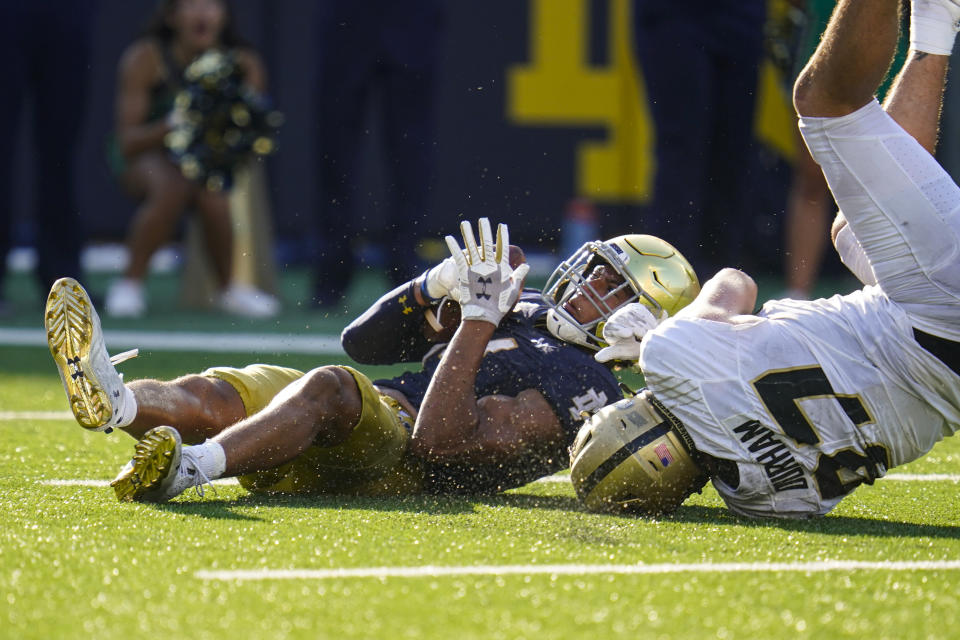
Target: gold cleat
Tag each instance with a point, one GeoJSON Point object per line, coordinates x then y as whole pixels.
{"type": "Point", "coordinates": [94, 388]}
{"type": "Point", "coordinates": [148, 476]}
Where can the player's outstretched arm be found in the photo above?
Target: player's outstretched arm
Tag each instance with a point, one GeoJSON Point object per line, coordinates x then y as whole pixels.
{"type": "Point", "coordinates": [453, 424]}
{"type": "Point", "coordinates": [394, 329]}
{"type": "Point", "coordinates": [487, 284]}
{"type": "Point", "coordinates": [405, 323]}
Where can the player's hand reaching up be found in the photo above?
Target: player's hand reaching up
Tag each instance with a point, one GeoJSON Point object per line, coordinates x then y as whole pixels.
{"type": "Point", "coordinates": [488, 286]}
{"type": "Point", "coordinates": [625, 329]}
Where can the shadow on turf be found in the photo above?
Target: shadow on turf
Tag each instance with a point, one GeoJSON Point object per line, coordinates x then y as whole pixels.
{"type": "Point", "coordinates": [235, 508]}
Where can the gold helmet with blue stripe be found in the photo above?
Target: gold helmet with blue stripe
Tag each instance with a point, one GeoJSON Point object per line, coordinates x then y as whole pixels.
{"type": "Point", "coordinates": [653, 271]}
{"type": "Point", "coordinates": [634, 456]}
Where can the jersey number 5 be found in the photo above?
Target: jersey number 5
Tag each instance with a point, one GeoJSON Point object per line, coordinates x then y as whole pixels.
{"type": "Point", "coordinates": [840, 472]}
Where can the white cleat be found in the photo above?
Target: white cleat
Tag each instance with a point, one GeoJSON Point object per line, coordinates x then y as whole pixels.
{"type": "Point", "coordinates": [93, 386]}
{"type": "Point", "coordinates": [161, 469]}
{"type": "Point", "coordinates": [244, 300]}
{"type": "Point", "coordinates": [126, 299]}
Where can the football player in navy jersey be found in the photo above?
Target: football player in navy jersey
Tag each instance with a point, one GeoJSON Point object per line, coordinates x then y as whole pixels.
{"type": "Point", "coordinates": [789, 410]}
{"type": "Point", "coordinates": [506, 376]}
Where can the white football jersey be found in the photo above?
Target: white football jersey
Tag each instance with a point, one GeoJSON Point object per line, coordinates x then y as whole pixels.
{"type": "Point", "coordinates": [809, 399]}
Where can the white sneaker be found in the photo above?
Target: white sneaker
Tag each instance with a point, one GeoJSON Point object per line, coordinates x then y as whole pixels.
{"type": "Point", "coordinates": [161, 469]}
{"type": "Point", "coordinates": [126, 299]}
{"type": "Point", "coordinates": [244, 300]}
{"type": "Point", "coordinates": [94, 388]}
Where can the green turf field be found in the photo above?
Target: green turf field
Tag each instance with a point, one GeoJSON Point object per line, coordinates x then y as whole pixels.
{"type": "Point", "coordinates": [74, 563]}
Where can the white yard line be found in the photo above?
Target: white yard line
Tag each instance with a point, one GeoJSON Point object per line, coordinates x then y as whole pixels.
{"type": "Point", "coordinates": [923, 477]}
{"type": "Point", "coordinates": [574, 569]}
{"type": "Point", "coordinates": [194, 341]}
{"type": "Point", "coordinates": [35, 415]}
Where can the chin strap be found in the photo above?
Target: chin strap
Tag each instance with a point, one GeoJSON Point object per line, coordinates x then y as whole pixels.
{"type": "Point", "coordinates": [433, 319]}
{"type": "Point", "coordinates": [562, 329]}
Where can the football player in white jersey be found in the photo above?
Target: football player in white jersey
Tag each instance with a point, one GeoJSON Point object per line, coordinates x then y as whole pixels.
{"type": "Point", "coordinates": [789, 410]}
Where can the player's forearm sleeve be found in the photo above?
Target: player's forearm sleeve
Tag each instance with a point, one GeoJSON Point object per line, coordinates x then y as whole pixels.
{"type": "Point", "coordinates": [390, 331]}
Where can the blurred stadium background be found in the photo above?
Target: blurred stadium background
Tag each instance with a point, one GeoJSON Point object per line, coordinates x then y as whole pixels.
{"type": "Point", "coordinates": [540, 104]}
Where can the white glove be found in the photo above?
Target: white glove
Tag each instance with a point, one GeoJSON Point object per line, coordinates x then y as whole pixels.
{"type": "Point", "coordinates": [488, 285]}
{"type": "Point", "coordinates": [625, 329]}
{"type": "Point", "coordinates": [442, 281]}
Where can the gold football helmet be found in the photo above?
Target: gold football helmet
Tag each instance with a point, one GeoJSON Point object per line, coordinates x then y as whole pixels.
{"type": "Point", "coordinates": [658, 275]}
{"type": "Point", "coordinates": [634, 456]}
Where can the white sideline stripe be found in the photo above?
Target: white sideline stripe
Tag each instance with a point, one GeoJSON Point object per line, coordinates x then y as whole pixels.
{"type": "Point", "coordinates": [905, 477]}
{"type": "Point", "coordinates": [573, 569]}
{"type": "Point", "coordinates": [193, 341]}
{"type": "Point", "coordinates": [80, 482]}
{"type": "Point", "coordinates": [35, 415]}
{"type": "Point", "coordinates": [923, 477]}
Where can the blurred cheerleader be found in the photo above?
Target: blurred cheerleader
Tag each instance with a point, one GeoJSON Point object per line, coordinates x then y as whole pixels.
{"type": "Point", "coordinates": [150, 75]}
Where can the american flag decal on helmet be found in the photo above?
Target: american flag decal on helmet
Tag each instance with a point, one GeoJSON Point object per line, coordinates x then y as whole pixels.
{"type": "Point", "coordinates": [664, 454]}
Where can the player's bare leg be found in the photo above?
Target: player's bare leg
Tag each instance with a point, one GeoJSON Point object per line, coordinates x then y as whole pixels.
{"type": "Point", "coordinates": [858, 43]}
{"type": "Point", "coordinates": [916, 97]}
{"type": "Point", "coordinates": [852, 59]}
{"type": "Point", "coordinates": [898, 203]}
{"type": "Point", "coordinates": [198, 406]}
{"type": "Point", "coordinates": [320, 408]}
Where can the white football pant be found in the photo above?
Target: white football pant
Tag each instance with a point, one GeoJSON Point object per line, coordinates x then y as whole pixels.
{"type": "Point", "coordinates": [901, 205]}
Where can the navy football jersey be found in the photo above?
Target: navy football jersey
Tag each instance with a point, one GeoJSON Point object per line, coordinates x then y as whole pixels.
{"type": "Point", "coordinates": [521, 355]}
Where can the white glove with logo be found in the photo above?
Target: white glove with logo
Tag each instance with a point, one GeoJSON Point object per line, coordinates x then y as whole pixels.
{"type": "Point", "coordinates": [488, 285]}
{"type": "Point", "coordinates": [625, 329]}
{"type": "Point", "coordinates": [442, 281]}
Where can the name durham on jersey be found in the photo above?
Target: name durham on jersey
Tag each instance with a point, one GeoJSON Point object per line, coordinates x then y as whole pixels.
{"type": "Point", "coordinates": [782, 469]}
